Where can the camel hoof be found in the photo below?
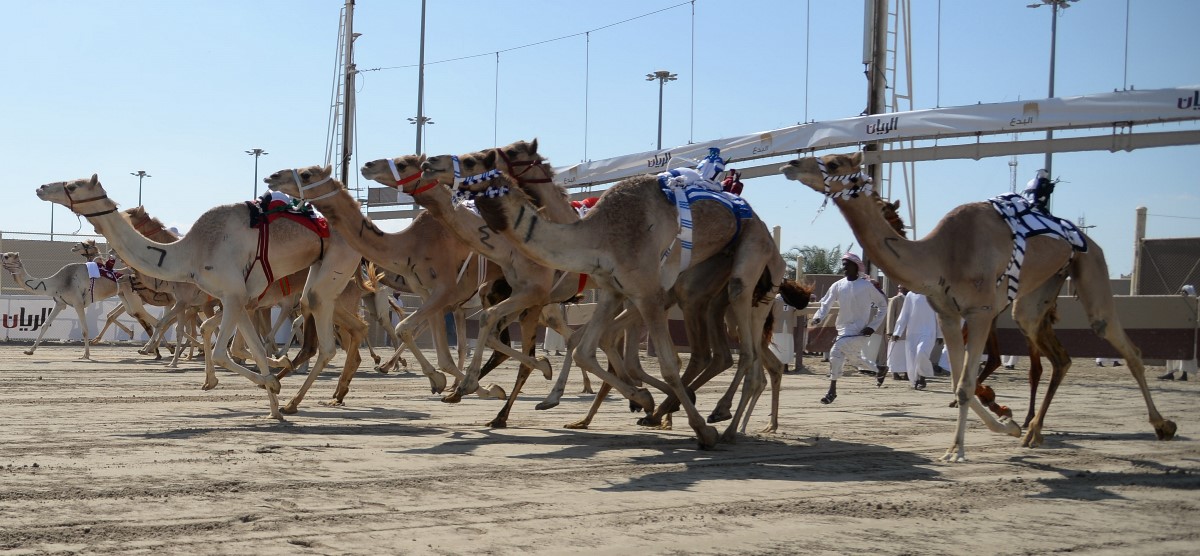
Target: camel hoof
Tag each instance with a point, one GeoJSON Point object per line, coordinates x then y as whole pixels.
{"type": "Point", "coordinates": [649, 421]}
{"type": "Point", "coordinates": [332, 403]}
{"type": "Point", "coordinates": [770, 429]}
{"type": "Point", "coordinates": [492, 392]}
{"type": "Point", "coordinates": [544, 365]}
{"type": "Point", "coordinates": [1166, 431]}
{"type": "Point", "coordinates": [587, 390]}
{"type": "Point", "coordinates": [1005, 412]}
{"type": "Point", "coordinates": [643, 399]}
{"type": "Point", "coordinates": [546, 404]}
{"type": "Point", "coordinates": [454, 396]}
{"type": "Point", "coordinates": [29, 352]}
{"type": "Point", "coordinates": [383, 368]}
{"type": "Point", "coordinates": [290, 408]}
{"type": "Point", "coordinates": [954, 455]}
{"type": "Point", "coordinates": [707, 438]}
{"type": "Point", "coordinates": [210, 385]}
{"type": "Point", "coordinates": [498, 423]}
{"type": "Point", "coordinates": [437, 382]}
{"type": "Point", "coordinates": [1011, 428]}
{"type": "Point", "coordinates": [377, 360]}
{"type": "Point", "coordinates": [1033, 439]}
{"type": "Point", "coordinates": [577, 425]}
{"type": "Point", "coordinates": [720, 414]}
{"type": "Point", "coordinates": [953, 403]}
{"type": "Point", "coordinates": [273, 385]}
{"type": "Point", "coordinates": [729, 436]}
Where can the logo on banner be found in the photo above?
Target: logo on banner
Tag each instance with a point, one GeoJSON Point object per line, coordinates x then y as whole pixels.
{"type": "Point", "coordinates": [764, 144]}
{"type": "Point", "coordinates": [25, 322]}
{"type": "Point", "coordinates": [659, 161]}
{"type": "Point", "coordinates": [1192, 102]}
{"type": "Point", "coordinates": [881, 127]}
{"type": "Point", "coordinates": [1029, 114]}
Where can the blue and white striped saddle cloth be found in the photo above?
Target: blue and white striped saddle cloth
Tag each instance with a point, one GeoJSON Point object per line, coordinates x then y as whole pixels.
{"type": "Point", "coordinates": [684, 186]}
{"type": "Point", "coordinates": [1025, 221]}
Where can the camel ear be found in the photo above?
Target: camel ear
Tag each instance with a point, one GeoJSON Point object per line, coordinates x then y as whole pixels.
{"type": "Point", "coordinates": [857, 158]}
{"type": "Point", "coordinates": [489, 159]}
{"type": "Point", "coordinates": [420, 159]}
{"type": "Point", "coordinates": [328, 170]}
{"type": "Point", "coordinates": [95, 179]}
{"type": "Point", "coordinates": [896, 205]}
{"type": "Point", "coordinates": [533, 146]}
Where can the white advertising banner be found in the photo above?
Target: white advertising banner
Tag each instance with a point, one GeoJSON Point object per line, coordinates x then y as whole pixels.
{"type": "Point", "coordinates": [24, 316]}
{"type": "Point", "coordinates": [1117, 109]}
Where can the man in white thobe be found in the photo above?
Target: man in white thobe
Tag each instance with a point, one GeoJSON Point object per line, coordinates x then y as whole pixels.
{"type": "Point", "coordinates": [897, 355]}
{"type": "Point", "coordinates": [918, 327]}
{"type": "Point", "coordinates": [859, 314]}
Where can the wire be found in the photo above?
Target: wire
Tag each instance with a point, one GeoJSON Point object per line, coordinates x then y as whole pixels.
{"type": "Point", "coordinates": [581, 33]}
{"type": "Point", "coordinates": [1172, 216]}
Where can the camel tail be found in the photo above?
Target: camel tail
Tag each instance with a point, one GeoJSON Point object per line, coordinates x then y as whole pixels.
{"type": "Point", "coordinates": [367, 278]}
{"type": "Point", "coordinates": [768, 331]}
{"type": "Point", "coordinates": [762, 290]}
{"type": "Point", "coordinates": [796, 294]}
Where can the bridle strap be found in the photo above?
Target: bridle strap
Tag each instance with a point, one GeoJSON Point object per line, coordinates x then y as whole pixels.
{"type": "Point", "coordinates": [300, 185]}
{"type": "Point", "coordinates": [102, 197]}
{"type": "Point", "coordinates": [530, 164]}
{"type": "Point", "coordinates": [401, 182]}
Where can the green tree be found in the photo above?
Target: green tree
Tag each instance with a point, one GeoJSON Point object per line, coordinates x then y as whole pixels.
{"type": "Point", "coordinates": [817, 260]}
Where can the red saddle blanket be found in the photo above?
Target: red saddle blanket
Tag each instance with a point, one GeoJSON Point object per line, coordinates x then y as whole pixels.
{"type": "Point", "coordinates": [280, 209]}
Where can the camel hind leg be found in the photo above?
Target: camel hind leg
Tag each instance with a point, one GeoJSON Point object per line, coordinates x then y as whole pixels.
{"type": "Point", "coordinates": [1090, 273]}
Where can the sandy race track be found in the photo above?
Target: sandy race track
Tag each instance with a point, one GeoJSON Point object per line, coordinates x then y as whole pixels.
{"type": "Point", "coordinates": [122, 455]}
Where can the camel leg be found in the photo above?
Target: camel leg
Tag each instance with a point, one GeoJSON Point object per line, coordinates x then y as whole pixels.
{"type": "Point", "coordinates": [234, 319]}
{"type": "Point", "coordinates": [607, 307]}
{"type": "Point", "coordinates": [1035, 378]}
{"type": "Point", "coordinates": [83, 325]}
{"type": "Point", "coordinates": [964, 382]}
{"type": "Point", "coordinates": [605, 388]}
{"type": "Point", "coordinates": [112, 317]}
{"type": "Point", "coordinates": [58, 307]}
{"type": "Point", "coordinates": [206, 334]}
{"type": "Point", "coordinates": [1091, 273]}
{"type": "Point", "coordinates": [653, 314]}
{"type": "Point", "coordinates": [494, 317]}
{"type": "Point", "coordinates": [529, 324]}
{"type": "Point", "coordinates": [560, 384]}
{"type": "Point", "coordinates": [427, 312]}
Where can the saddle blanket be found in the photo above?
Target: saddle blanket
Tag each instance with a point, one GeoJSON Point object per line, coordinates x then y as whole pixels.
{"type": "Point", "coordinates": [276, 208]}
{"type": "Point", "coordinates": [96, 271]}
{"type": "Point", "coordinates": [698, 189]}
{"type": "Point", "coordinates": [1025, 222]}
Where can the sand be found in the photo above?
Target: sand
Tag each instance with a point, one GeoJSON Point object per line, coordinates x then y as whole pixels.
{"type": "Point", "coordinates": [122, 455]}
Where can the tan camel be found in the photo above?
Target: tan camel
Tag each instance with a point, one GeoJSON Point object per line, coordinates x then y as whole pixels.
{"type": "Point", "coordinates": [532, 287]}
{"type": "Point", "coordinates": [960, 266]}
{"type": "Point", "coordinates": [700, 291]}
{"type": "Point", "coordinates": [431, 262]}
{"type": "Point", "coordinates": [621, 244]}
{"type": "Point", "coordinates": [229, 260]}
{"type": "Point", "coordinates": [69, 287]}
{"type": "Point", "coordinates": [91, 253]}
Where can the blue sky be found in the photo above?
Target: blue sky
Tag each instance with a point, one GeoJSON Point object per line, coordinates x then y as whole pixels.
{"type": "Point", "coordinates": [182, 89]}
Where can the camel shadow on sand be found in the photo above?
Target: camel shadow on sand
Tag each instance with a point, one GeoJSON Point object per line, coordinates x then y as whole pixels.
{"type": "Point", "coordinates": [1084, 484]}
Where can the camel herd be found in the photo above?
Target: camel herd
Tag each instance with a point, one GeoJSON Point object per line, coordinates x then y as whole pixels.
{"type": "Point", "coordinates": [497, 228]}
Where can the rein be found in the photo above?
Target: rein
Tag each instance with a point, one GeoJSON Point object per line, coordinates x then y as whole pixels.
{"type": "Point", "coordinates": [863, 185]}
{"type": "Point", "coordinates": [491, 192]}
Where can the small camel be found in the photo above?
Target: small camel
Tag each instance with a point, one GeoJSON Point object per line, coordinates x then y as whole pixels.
{"type": "Point", "coordinates": [230, 261]}
{"type": "Point", "coordinates": [961, 267]}
{"type": "Point", "coordinates": [70, 286]}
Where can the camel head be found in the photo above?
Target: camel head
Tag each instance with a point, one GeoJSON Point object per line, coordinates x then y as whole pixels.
{"type": "Point", "coordinates": [521, 161]}
{"type": "Point", "coordinates": [86, 248]}
{"type": "Point", "coordinates": [403, 172]}
{"type": "Point", "coordinates": [891, 213]}
{"type": "Point", "coordinates": [77, 195]}
{"type": "Point", "coordinates": [455, 171]}
{"type": "Point", "coordinates": [835, 175]}
{"type": "Point", "coordinates": [300, 182]}
{"type": "Point", "coordinates": [12, 262]}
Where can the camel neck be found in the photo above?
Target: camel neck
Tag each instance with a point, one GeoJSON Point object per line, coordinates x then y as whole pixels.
{"type": "Point", "coordinates": [553, 244]}
{"type": "Point", "coordinates": [342, 212]}
{"type": "Point", "coordinates": [155, 259]}
{"type": "Point", "coordinates": [883, 245]}
{"type": "Point", "coordinates": [464, 224]}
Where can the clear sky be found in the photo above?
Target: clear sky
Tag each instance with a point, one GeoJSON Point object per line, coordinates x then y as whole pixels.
{"type": "Point", "coordinates": [182, 89]}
